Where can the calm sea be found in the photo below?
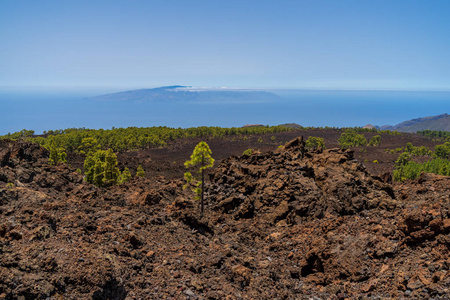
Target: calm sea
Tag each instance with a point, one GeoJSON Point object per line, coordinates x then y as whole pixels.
{"type": "Point", "coordinates": [44, 110]}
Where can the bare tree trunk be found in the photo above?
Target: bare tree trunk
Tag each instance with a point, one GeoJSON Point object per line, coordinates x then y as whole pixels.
{"type": "Point", "coordinates": [203, 186]}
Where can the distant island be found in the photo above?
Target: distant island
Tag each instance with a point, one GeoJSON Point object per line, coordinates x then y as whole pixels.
{"type": "Point", "coordinates": [179, 93]}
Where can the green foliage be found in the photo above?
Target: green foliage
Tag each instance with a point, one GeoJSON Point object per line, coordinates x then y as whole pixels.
{"type": "Point", "coordinates": [375, 161]}
{"type": "Point", "coordinates": [403, 159]}
{"type": "Point", "coordinates": [101, 168]}
{"type": "Point", "coordinates": [88, 144]}
{"type": "Point", "coordinates": [273, 138]}
{"type": "Point", "coordinates": [314, 142]}
{"type": "Point", "coordinates": [201, 156]}
{"type": "Point", "coordinates": [124, 139]}
{"type": "Point", "coordinates": [10, 185]}
{"type": "Point", "coordinates": [435, 134]}
{"type": "Point", "coordinates": [125, 176]}
{"type": "Point", "coordinates": [409, 147]}
{"type": "Point", "coordinates": [360, 129]}
{"type": "Point", "coordinates": [412, 170]}
{"type": "Point", "coordinates": [417, 151]}
{"type": "Point", "coordinates": [351, 139]}
{"type": "Point", "coordinates": [260, 140]}
{"type": "Point", "coordinates": [111, 172]}
{"type": "Point", "coordinates": [140, 171]}
{"type": "Point", "coordinates": [442, 151]}
{"type": "Point", "coordinates": [406, 168]}
{"type": "Point", "coordinates": [375, 141]}
{"type": "Point", "coordinates": [18, 135]}
{"type": "Point", "coordinates": [78, 171]}
{"type": "Point", "coordinates": [57, 154]}
{"type": "Point", "coordinates": [248, 152]}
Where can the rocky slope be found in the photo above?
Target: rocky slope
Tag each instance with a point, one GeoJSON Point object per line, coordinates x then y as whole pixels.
{"type": "Point", "coordinates": [439, 122]}
{"type": "Point", "coordinates": [288, 224]}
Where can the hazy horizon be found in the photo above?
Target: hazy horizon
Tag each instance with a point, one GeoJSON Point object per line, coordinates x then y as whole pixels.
{"type": "Point", "coordinates": [50, 110]}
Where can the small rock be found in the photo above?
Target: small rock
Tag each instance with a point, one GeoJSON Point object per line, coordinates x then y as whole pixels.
{"type": "Point", "coordinates": [16, 235]}
{"type": "Point", "coordinates": [190, 293]}
{"type": "Point", "coordinates": [414, 285]}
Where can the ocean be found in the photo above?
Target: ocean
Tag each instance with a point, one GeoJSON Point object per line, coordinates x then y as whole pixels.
{"type": "Point", "coordinates": [50, 109]}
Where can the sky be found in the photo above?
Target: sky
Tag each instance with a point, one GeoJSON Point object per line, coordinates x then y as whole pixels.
{"type": "Point", "coordinates": [306, 44]}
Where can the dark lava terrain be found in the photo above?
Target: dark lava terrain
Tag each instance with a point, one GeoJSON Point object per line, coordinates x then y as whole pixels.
{"type": "Point", "coordinates": [282, 223]}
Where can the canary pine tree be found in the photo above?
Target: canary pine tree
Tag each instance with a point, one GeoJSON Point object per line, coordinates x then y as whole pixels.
{"type": "Point", "coordinates": [201, 156]}
{"type": "Point", "coordinates": [101, 168]}
{"type": "Point", "coordinates": [140, 171]}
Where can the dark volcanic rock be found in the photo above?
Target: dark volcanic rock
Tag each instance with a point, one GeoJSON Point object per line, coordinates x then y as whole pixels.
{"type": "Point", "coordinates": [285, 225]}
{"type": "Point", "coordinates": [292, 184]}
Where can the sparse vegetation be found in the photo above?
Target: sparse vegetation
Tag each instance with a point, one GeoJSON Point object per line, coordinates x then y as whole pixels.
{"type": "Point", "coordinates": [124, 139]}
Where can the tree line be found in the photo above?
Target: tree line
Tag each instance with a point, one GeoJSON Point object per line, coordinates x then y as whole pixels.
{"type": "Point", "coordinates": [132, 138]}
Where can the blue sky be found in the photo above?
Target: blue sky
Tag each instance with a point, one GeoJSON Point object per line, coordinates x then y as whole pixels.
{"type": "Point", "coordinates": [401, 44]}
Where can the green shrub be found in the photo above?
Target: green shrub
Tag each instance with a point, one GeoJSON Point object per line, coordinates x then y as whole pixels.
{"type": "Point", "coordinates": [125, 176]}
{"type": "Point", "coordinates": [140, 171]}
{"type": "Point", "coordinates": [442, 151]}
{"type": "Point", "coordinates": [57, 154]}
{"type": "Point", "coordinates": [412, 170]}
{"type": "Point", "coordinates": [375, 140]}
{"type": "Point", "coordinates": [403, 159]}
{"type": "Point", "coordinates": [248, 152]}
{"type": "Point", "coordinates": [409, 147]}
{"type": "Point", "coordinates": [314, 142]}
{"type": "Point", "coordinates": [351, 139]}
{"type": "Point", "coordinates": [417, 151]}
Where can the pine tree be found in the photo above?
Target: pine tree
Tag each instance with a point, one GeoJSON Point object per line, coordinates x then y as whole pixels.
{"type": "Point", "coordinates": [101, 168]}
{"type": "Point", "coordinates": [125, 176]}
{"type": "Point", "coordinates": [140, 171]}
{"type": "Point", "coordinates": [88, 144]}
{"type": "Point", "coordinates": [111, 172]}
{"type": "Point", "coordinates": [200, 156]}
{"type": "Point", "coordinates": [57, 154]}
